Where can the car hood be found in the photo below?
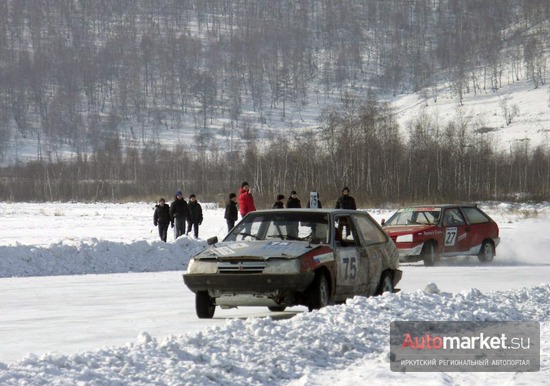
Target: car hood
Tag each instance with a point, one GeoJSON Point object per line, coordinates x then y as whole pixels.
{"type": "Point", "coordinates": [260, 250]}
{"type": "Point", "coordinates": [398, 230]}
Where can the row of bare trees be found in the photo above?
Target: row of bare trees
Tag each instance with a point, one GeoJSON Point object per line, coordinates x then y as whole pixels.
{"type": "Point", "coordinates": [74, 74]}
{"type": "Point", "coordinates": [357, 145]}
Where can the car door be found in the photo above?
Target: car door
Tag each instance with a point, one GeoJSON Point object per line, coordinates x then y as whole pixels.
{"type": "Point", "coordinates": [456, 232]}
{"type": "Point", "coordinates": [479, 227]}
{"type": "Point", "coordinates": [350, 258]}
{"type": "Point", "coordinates": [373, 240]}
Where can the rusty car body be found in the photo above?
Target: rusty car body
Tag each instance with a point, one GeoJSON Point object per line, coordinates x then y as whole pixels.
{"type": "Point", "coordinates": [282, 258]}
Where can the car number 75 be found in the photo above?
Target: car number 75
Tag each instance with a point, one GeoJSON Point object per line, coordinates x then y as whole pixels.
{"type": "Point", "coordinates": [350, 271]}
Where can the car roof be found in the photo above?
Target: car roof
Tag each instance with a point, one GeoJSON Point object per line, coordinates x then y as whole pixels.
{"type": "Point", "coordinates": [427, 206]}
{"type": "Point", "coordinates": [309, 210]}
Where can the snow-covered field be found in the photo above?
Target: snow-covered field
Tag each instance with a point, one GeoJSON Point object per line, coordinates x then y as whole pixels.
{"type": "Point", "coordinates": [90, 296]}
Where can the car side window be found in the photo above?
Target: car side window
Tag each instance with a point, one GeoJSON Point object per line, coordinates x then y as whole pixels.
{"type": "Point", "coordinates": [453, 217]}
{"type": "Point", "coordinates": [345, 230]}
{"type": "Point", "coordinates": [475, 216]}
{"type": "Point", "coordinates": [372, 234]}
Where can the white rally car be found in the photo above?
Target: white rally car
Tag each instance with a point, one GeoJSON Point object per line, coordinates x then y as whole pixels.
{"type": "Point", "coordinates": [287, 257]}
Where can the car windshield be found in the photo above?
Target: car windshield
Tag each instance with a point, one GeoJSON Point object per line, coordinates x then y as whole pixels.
{"type": "Point", "coordinates": [282, 225]}
{"type": "Point", "coordinates": [415, 216]}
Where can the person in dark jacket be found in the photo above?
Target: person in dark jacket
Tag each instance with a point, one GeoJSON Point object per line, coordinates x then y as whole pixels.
{"type": "Point", "coordinates": [345, 201]}
{"type": "Point", "coordinates": [178, 214]}
{"type": "Point", "coordinates": [195, 215]}
{"type": "Point", "coordinates": [246, 200]}
{"type": "Point", "coordinates": [293, 201]}
{"type": "Point", "coordinates": [279, 203]}
{"type": "Point", "coordinates": [162, 219]}
{"type": "Point", "coordinates": [231, 212]}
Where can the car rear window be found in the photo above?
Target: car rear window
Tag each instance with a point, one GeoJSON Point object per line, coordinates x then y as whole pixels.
{"type": "Point", "coordinates": [475, 216]}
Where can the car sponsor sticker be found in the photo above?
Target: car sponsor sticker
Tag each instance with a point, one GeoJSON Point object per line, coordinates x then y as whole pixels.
{"type": "Point", "coordinates": [238, 245]}
{"type": "Point", "coordinates": [223, 251]}
{"type": "Point", "coordinates": [326, 257]}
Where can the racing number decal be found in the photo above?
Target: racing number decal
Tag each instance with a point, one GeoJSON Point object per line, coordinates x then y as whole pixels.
{"type": "Point", "coordinates": [450, 236]}
{"type": "Point", "coordinates": [350, 271]}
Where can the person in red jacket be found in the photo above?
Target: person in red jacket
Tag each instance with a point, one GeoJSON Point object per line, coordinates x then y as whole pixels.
{"type": "Point", "coordinates": [246, 200]}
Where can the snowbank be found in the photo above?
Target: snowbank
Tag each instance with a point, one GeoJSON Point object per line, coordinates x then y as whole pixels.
{"type": "Point", "coordinates": [262, 351]}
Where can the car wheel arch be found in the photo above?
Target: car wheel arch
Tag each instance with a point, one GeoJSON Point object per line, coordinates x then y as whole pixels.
{"type": "Point", "coordinates": [313, 294]}
{"type": "Point", "coordinates": [328, 275]}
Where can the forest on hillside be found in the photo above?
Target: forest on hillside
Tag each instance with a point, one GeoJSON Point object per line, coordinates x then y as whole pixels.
{"type": "Point", "coordinates": [359, 145]}
{"type": "Point", "coordinates": [98, 84]}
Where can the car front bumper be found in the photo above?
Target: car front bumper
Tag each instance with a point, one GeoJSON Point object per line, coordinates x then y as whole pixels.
{"type": "Point", "coordinates": [248, 283]}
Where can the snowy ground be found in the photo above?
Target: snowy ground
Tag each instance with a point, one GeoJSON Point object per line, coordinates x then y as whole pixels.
{"type": "Point", "coordinates": [104, 325]}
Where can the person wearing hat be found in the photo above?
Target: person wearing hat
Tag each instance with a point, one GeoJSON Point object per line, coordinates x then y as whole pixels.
{"type": "Point", "coordinates": [195, 215]}
{"type": "Point", "coordinates": [246, 200]}
{"type": "Point", "coordinates": [293, 201]}
{"type": "Point", "coordinates": [345, 201]}
{"type": "Point", "coordinates": [279, 203]}
{"type": "Point", "coordinates": [161, 218]}
{"type": "Point", "coordinates": [178, 214]}
{"type": "Point", "coordinates": [231, 212]}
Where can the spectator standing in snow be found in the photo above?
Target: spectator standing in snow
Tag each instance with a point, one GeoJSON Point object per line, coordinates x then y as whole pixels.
{"type": "Point", "coordinates": [279, 203]}
{"type": "Point", "coordinates": [345, 201]}
{"type": "Point", "coordinates": [246, 200]}
{"type": "Point", "coordinates": [178, 214]}
{"type": "Point", "coordinates": [161, 218]}
{"type": "Point", "coordinates": [195, 215]}
{"type": "Point", "coordinates": [293, 201]}
{"type": "Point", "coordinates": [231, 212]}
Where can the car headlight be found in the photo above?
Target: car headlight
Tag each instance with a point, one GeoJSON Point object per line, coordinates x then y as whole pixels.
{"type": "Point", "coordinates": [405, 238]}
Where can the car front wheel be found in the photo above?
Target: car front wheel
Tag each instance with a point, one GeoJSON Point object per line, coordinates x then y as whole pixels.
{"type": "Point", "coordinates": [319, 293]}
{"type": "Point", "coordinates": [429, 254]}
{"type": "Point", "coordinates": [487, 252]}
{"type": "Point", "coordinates": [204, 306]}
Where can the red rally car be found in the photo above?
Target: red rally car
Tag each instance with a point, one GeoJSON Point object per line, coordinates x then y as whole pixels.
{"type": "Point", "coordinates": [432, 231]}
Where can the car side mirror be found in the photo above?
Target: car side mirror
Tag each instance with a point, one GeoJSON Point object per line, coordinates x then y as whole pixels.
{"type": "Point", "coordinates": [212, 240]}
{"type": "Point", "coordinates": [383, 222]}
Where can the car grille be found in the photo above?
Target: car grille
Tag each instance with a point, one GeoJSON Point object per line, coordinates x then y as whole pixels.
{"type": "Point", "coordinates": [241, 267]}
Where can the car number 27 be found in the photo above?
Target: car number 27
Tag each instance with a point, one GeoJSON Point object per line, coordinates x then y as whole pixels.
{"type": "Point", "coordinates": [450, 236]}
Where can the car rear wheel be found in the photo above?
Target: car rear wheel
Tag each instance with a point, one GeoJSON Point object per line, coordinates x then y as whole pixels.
{"type": "Point", "coordinates": [386, 283]}
{"type": "Point", "coordinates": [487, 252]}
{"type": "Point", "coordinates": [204, 306]}
{"type": "Point", "coordinates": [319, 293]}
{"type": "Point", "coordinates": [429, 254]}
{"type": "Point", "coordinates": [277, 308]}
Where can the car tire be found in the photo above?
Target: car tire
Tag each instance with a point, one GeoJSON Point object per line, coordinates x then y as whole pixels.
{"type": "Point", "coordinates": [319, 293]}
{"type": "Point", "coordinates": [204, 306]}
{"type": "Point", "coordinates": [487, 252]}
{"type": "Point", "coordinates": [386, 283]}
{"type": "Point", "coordinates": [277, 308]}
{"type": "Point", "coordinates": [429, 254]}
